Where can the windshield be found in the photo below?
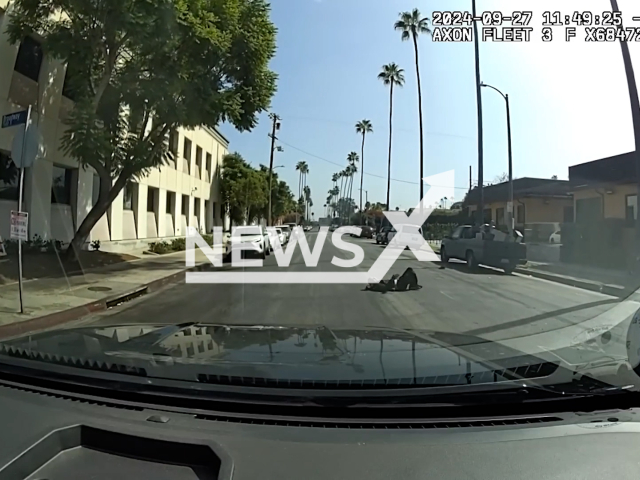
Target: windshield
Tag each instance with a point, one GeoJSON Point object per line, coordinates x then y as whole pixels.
{"type": "Point", "coordinates": [323, 190]}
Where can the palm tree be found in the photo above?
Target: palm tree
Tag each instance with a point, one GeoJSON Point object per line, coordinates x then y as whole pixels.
{"type": "Point", "coordinates": [354, 170]}
{"type": "Point", "coordinates": [343, 176]}
{"type": "Point", "coordinates": [352, 159]}
{"type": "Point", "coordinates": [303, 168]}
{"type": "Point", "coordinates": [307, 199]}
{"type": "Point", "coordinates": [391, 75]}
{"type": "Point", "coordinates": [334, 204]}
{"type": "Point", "coordinates": [363, 127]}
{"type": "Point", "coordinates": [411, 25]}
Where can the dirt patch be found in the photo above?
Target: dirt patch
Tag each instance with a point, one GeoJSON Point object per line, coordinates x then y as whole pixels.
{"type": "Point", "coordinates": [52, 265]}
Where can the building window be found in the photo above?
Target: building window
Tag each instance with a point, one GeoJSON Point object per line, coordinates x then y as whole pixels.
{"type": "Point", "coordinates": [171, 200]}
{"type": "Point", "coordinates": [520, 216]}
{"type": "Point", "coordinates": [71, 77]}
{"type": "Point", "coordinates": [186, 154]}
{"type": "Point", "coordinates": [173, 147]}
{"type": "Point", "coordinates": [487, 215]}
{"type": "Point", "coordinates": [214, 211]}
{"type": "Point", "coordinates": [9, 178]}
{"type": "Point", "coordinates": [61, 185]}
{"type": "Point", "coordinates": [208, 164]}
{"type": "Point", "coordinates": [198, 161]}
{"type": "Point", "coordinates": [29, 59]}
{"type": "Point", "coordinates": [631, 211]}
{"type": "Point", "coordinates": [185, 205]}
{"type": "Point", "coordinates": [152, 194]}
{"type": "Point", "coordinates": [196, 208]}
{"type": "Point", "coordinates": [127, 196]}
{"type": "Point", "coordinates": [500, 216]}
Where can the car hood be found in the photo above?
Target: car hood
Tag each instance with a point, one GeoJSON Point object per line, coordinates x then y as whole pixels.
{"type": "Point", "coordinates": [318, 353]}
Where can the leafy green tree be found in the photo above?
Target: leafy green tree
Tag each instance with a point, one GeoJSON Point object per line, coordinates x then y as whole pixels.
{"type": "Point", "coordinates": [411, 24]}
{"type": "Point", "coordinates": [243, 189]}
{"type": "Point", "coordinates": [391, 75]}
{"type": "Point", "coordinates": [138, 70]}
{"type": "Point", "coordinates": [282, 200]}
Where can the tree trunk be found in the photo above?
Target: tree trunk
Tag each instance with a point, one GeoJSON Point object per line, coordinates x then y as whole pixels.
{"type": "Point", "coordinates": [361, 173]}
{"type": "Point", "coordinates": [390, 128]}
{"type": "Point", "coordinates": [635, 116]}
{"type": "Point", "coordinates": [105, 199]}
{"type": "Point", "coordinates": [299, 195]}
{"type": "Point", "coordinates": [415, 47]}
{"type": "Point", "coordinates": [340, 194]}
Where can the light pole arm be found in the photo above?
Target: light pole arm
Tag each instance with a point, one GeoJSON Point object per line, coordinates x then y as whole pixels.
{"type": "Point", "coordinates": [494, 88]}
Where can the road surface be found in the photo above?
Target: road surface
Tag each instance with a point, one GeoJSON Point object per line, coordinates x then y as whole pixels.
{"type": "Point", "coordinates": [488, 303]}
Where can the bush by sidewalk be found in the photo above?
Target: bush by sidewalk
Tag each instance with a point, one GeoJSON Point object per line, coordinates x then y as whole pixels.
{"type": "Point", "coordinates": [175, 245]}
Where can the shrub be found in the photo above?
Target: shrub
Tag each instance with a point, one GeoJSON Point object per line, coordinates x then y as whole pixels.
{"type": "Point", "coordinates": [159, 247]}
{"type": "Point", "coordinates": [95, 245]}
{"type": "Point", "coordinates": [178, 244]}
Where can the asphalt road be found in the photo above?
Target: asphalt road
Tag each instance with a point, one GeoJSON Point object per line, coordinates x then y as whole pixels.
{"type": "Point", "coordinates": [488, 303]}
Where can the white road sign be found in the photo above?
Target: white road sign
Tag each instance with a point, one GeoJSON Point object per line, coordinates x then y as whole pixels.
{"type": "Point", "coordinates": [19, 225]}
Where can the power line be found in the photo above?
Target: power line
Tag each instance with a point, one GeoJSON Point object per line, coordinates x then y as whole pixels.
{"type": "Point", "coordinates": [366, 173]}
{"type": "Point", "coordinates": [343, 122]}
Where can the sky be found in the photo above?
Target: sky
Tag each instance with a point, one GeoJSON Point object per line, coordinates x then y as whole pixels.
{"type": "Point", "coordinates": [569, 100]}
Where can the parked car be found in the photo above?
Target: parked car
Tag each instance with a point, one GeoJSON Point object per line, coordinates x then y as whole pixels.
{"type": "Point", "coordinates": [365, 232]}
{"type": "Point", "coordinates": [281, 235]}
{"type": "Point", "coordinates": [286, 232]}
{"type": "Point", "coordinates": [273, 237]}
{"type": "Point", "coordinates": [381, 236]}
{"type": "Point", "coordinates": [254, 234]}
{"type": "Point", "coordinates": [267, 240]}
{"type": "Point", "coordinates": [555, 237]}
{"type": "Point", "coordinates": [486, 246]}
{"type": "Point", "coordinates": [409, 235]}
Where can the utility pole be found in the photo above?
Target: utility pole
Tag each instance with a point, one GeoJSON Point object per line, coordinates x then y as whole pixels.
{"type": "Point", "coordinates": [470, 173]}
{"type": "Point", "coordinates": [480, 216]}
{"type": "Point", "coordinates": [276, 126]}
{"type": "Point", "coordinates": [510, 215]}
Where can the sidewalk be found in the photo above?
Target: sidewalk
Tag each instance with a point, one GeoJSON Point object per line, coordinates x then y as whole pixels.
{"type": "Point", "coordinates": [609, 281]}
{"type": "Point", "coordinates": [71, 297]}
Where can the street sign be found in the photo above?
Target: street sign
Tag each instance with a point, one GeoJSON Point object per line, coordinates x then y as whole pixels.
{"type": "Point", "coordinates": [13, 119]}
{"type": "Point", "coordinates": [19, 225]}
{"type": "Point", "coordinates": [34, 147]}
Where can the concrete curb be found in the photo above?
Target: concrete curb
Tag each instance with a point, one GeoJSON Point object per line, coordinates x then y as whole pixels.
{"type": "Point", "coordinates": [65, 316]}
{"type": "Point", "coordinates": [607, 289]}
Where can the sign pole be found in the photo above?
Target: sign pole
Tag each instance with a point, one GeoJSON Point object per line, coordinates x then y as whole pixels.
{"type": "Point", "coordinates": [20, 191]}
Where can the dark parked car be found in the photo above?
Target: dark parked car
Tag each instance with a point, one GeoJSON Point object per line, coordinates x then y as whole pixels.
{"type": "Point", "coordinates": [381, 236]}
{"type": "Point", "coordinates": [365, 232]}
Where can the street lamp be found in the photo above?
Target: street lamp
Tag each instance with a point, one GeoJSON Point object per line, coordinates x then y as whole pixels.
{"type": "Point", "coordinates": [510, 217]}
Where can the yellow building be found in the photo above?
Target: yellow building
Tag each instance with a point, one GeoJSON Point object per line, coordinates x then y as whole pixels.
{"type": "Point", "coordinates": [605, 189]}
{"type": "Point", "coordinates": [540, 205]}
{"type": "Point", "coordinates": [58, 194]}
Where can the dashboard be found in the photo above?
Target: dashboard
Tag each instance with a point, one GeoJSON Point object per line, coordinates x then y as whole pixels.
{"type": "Point", "coordinates": [48, 435]}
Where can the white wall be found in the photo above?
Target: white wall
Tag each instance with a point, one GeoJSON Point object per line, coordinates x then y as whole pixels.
{"type": "Point", "coordinates": [118, 225]}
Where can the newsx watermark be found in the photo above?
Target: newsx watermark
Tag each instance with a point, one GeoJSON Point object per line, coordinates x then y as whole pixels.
{"type": "Point", "coordinates": [441, 186]}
